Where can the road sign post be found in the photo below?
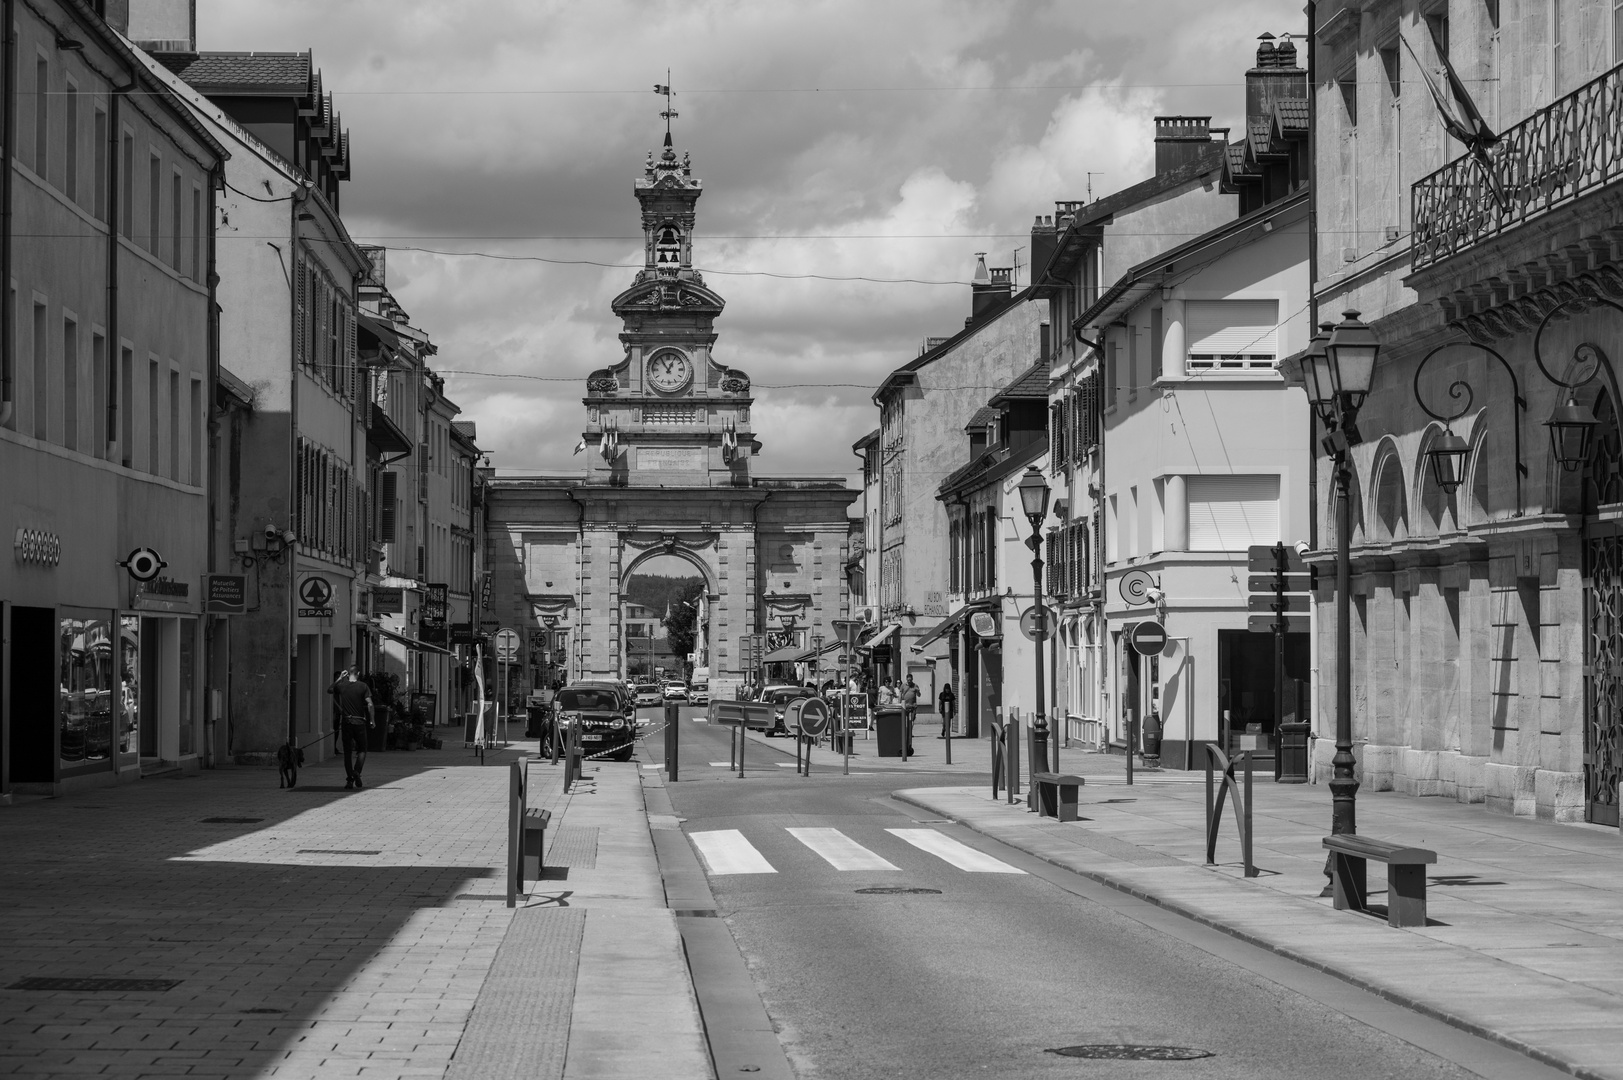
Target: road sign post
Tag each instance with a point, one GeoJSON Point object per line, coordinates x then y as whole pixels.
{"type": "Point", "coordinates": [1280, 583]}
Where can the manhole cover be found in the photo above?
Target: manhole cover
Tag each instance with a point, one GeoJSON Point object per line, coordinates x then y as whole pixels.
{"type": "Point", "coordinates": [232, 820]}
{"type": "Point", "coordinates": [336, 851]}
{"type": "Point", "coordinates": [1130, 1052]}
{"type": "Point", "coordinates": [114, 985]}
{"type": "Point", "coordinates": [897, 890]}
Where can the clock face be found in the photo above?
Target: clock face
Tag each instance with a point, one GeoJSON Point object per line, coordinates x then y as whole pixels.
{"type": "Point", "coordinates": [669, 372]}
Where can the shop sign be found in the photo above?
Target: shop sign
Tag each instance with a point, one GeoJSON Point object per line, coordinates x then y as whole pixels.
{"type": "Point", "coordinates": [162, 594]}
{"type": "Point", "coordinates": [143, 564]}
{"type": "Point", "coordinates": [388, 601]}
{"type": "Point", "coordinates": [225, 594]}
{"type": "Point", "coordinates": [484, 591]}
{"type": "Point", "coordinates": [983, 624]}
{"type": "Point", "coordinates": [462, 633]}
{"type": "Point", "coordinates": [36, 547]}
{"type": "Point", "coordinates": [315, 594]}
{"type": "Point", "coordinates": [435, 614]}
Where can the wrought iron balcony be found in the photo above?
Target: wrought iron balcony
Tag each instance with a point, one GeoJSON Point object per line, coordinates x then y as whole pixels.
{"type": "Point", "coordinates": [1570, 148]}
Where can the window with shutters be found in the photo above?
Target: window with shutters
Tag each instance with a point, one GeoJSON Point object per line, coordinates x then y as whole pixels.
{"type": "Point", "coordinates": [1057, 415]}
{"type": "Point", "coordinates": [1230, 513]}
{"type": "Point", "coordinates": [301, 307]}
{"type": "Point", "coordinates": [1056, 563]}
{"type": "Point", "coordinates": [1232, 335]}
{"type": "Point", "coordinates": [388, 497]}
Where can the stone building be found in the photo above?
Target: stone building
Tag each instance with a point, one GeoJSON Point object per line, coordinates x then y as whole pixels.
{"type": "Point", "coordinates": [669, 472]}
{"type": "Point", "coordinates": [1485, 634]}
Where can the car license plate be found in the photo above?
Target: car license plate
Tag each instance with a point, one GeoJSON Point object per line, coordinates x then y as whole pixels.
{"type": "Point", "coordinates": [587, 736]}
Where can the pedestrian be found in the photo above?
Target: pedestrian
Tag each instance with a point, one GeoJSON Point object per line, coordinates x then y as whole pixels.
{"type": "Point", "coordinates": [947, 703]}
{"type": "Point", "coordinates": [910, 709]}
{"type": "Point", "coordinates": [887, 695]}
{"type": "Point", "coordinates": [354, 699]}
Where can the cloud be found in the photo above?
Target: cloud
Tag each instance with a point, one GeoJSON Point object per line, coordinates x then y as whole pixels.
{"type": "Point", "coordinates": [835, 137]}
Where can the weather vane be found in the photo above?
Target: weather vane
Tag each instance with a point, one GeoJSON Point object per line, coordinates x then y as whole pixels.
{"type": "Point", "coordinates": [669, 114]}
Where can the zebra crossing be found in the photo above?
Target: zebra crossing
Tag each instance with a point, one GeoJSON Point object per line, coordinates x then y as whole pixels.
{"type": "Point", "coordinates": [729, 851]}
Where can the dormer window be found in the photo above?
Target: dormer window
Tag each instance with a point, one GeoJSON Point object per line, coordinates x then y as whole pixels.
{"type": "Point", "coordinates": [668, 250]}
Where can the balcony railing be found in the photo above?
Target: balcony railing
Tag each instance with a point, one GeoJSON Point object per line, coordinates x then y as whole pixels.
{"type": "Point", "coordinates": [1571, 147]}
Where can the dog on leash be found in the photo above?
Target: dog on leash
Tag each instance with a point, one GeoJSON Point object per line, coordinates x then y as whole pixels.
{"type": "Point", "coordinates": [288, 760]}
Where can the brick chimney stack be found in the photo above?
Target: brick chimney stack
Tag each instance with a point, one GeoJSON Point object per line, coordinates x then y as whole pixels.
{"type": "Point", "coordinates": [1180, 140]}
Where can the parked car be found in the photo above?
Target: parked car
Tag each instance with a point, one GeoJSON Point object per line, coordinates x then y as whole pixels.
{"type": "Point", "coordinates": [699, 693]}
{"type": "Point", "coordinates": [606, 714]}
{"type": "Point", "coordinates": [648, 693]}
{"type": "Point", "coordinates": [675, 691]}
{"type": "Point", "coordinates": [779, 697]}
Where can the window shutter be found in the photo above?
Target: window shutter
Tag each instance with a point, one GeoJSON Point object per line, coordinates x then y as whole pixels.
{"type": "Point", "coordinates": [388, 496]}
{"type": "Point", "coordinates": [1230, 513]}
{"type": "Point", "coordinates": [352, 387]}
{"type": "Point", "coordinates": [301, 302]}
{"type": "Point", "coordinates": [1232, 333]}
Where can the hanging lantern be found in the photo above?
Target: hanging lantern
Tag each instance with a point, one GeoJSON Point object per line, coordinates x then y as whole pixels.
{"type": "Point", "coordinates": [1352, 347]}
{"type": "Point", "coordinates": [1572, 432]}
{"type": "Point", "coordinates": [1448, 455]}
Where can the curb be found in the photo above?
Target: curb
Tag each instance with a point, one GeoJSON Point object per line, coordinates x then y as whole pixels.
{"type": "Point", "coordinates": [1396, 997]}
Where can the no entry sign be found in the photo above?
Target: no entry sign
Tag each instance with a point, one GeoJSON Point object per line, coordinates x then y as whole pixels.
{"type": "Point", "coordinates": [1148, 638]}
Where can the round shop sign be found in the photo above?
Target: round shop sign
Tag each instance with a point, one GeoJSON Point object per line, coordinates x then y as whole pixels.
{"type": "Point", "coordinates": [144, 564]}
{"type": "Point", "coordinates": [1135, 586]}
{"type": "Point", "coordinates": [983, 624]}
{"type": "Point", "coordinates": [1149, 638]}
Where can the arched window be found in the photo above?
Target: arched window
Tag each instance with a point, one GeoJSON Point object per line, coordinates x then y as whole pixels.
{"type": "Point", "coordinates": [1391, 502]}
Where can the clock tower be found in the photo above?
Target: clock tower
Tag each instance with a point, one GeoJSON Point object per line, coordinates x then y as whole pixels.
{"type": "Point", "coordinates": [668, 415]}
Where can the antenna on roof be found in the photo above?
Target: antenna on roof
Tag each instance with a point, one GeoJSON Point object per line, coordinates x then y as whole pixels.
{"type": "Point", "coordinates": [1091, 175]}
{"type": "Point", "coordinates": [669, 114]}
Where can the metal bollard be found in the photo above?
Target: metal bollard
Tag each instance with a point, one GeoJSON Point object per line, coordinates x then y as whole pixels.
{"type": "Point", "coordinates": [673, 741]}
{"type": "Point", "coordinates": [515, 830]}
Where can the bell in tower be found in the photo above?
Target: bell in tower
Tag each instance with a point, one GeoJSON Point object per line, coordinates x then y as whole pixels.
{"type": "Point", "coordinates": [668, 250]}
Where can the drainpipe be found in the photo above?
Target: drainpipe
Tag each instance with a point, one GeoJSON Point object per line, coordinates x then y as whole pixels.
{"type": "Point", "coordinates": [212, 280]}
{"type": "Point", "coordinates": [114, 180]}
{"type": "Point", "coordinates": [580, 578]}
{"type": "Point", "coordinates": [295, 206]}
{"type": "Point", "coordinates": [8, 135]}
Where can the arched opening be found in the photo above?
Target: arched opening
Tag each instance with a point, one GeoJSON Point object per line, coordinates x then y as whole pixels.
{"type": "Point", "coordinates": [668, 248]}
{"type": "Point", "coordinates": [665, 616]}
{"type": "Point", "coordinates": [1603, 472]}
{"type": "Point", "coordinates": [1391, 501]}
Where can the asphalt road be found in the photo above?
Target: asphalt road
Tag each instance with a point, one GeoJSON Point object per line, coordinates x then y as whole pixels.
{"type": "Point", "coordinates": [991, 969]}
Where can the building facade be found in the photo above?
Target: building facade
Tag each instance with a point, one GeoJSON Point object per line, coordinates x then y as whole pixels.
{"type": "Point", "coordinates": [109, 367]}
{"type": "Point", "coordinates": [1483, 617]}
{"type": "Point", "coordinates": [669, 473]}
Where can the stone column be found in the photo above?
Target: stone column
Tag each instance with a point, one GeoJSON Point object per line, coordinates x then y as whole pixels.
{"type": "Point", "coordinates": [1174, 347]}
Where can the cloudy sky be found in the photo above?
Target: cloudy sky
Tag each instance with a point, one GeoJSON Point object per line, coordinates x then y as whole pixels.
{"type": "Point", "coordinates": [843, 139]}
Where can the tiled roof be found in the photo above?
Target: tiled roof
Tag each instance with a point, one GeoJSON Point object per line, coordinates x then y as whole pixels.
{"type": "Point", "coordinates": [465, 427]}
{"type": "Point", "coordinates": [1293, 114]}
{"type": "Point", "coordinates": [1032, 383]}
{"type": "Point", "coordinates": [245, 72]}
{"type": "Point", "coordinates": [1260, 131]}
{"type": "Point", "coordinates": [983, 416]}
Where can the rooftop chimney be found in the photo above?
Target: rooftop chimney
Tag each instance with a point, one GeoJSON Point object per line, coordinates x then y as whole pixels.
{"type": "Point", "coordinates": [1180, 140]}
{"type": "Point", "coordinates": [988, 287]}
{"type": "Point", "coordinates": [1275, 77]}
{"type": "Point", "coordinates": [1044, 239]}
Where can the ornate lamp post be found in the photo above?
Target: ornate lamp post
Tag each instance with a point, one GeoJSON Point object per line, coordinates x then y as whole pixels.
{"type": "Point", "coordinates": [1034, 501]}
{"type": "Point", "coordinates": [1340, 367]}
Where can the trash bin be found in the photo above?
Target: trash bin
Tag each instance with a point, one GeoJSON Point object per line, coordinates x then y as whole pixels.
{"type": "Point", "coordinates": [1290, 760]}
{"type": "Point", "coordinates": [890, 729]}
{"type": "Point", "coordinates": [537, 719]}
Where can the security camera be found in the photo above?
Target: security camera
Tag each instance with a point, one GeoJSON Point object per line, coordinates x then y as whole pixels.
{"type": "Point", "coordinates": [1154, 595]}
{"type": "Point", "coordinates": [289, 536]}
{"type": "Point", "coordinates": [1302, 548]}
{"type": "Point", "coordinates": [272, 533]}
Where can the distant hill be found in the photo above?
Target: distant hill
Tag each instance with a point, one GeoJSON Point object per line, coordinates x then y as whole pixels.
{"type": "Point", "coordinates": [655, 592]}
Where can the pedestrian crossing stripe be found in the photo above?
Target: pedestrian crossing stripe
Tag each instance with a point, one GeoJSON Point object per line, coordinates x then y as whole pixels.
{"type": "Point", "coordinates": [949, 850]}
{"type": "Point", "coordinates": [725, 851]}
{"type": "Point", "coordinates": [728, 851]}
{"type": "Point", "coordinates": [840, 851]}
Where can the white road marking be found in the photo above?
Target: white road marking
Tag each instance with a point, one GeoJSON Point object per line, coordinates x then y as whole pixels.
{"type": "Point", "coordinates": [840, 851]}
{"type": "Point", "coordinates": [721, 764]}
{"type": "Point", "coordinates": [725, 851]}
{"type": "Point", "coordinates": [950, 850]}
{"type": "Point", "coordinates": [785, 764]}
{"type": "Point", "coordinates": [700, 719]}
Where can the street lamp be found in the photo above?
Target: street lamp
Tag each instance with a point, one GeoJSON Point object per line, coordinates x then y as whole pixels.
{"type": "Point", "coordinates": [1449, 454]}
{"type": "Point", "coordinates": [1034, 501]}
{"type": "Point", "coordinates": [1341, 367]}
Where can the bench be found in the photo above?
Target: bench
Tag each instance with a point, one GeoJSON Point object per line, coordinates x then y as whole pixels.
{"type": "Point", "coordinates": [1056, 794]}
{"type": "Point", "coordinates": [535, 834]}
{"type": "Point", "coordinates": [1405, 876]}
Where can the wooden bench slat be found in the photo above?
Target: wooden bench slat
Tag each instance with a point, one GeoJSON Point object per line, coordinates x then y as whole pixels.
{"type": "Point", "coordinates": [1381, 851]}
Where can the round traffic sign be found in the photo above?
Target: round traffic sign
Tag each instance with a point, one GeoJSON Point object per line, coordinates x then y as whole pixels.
{"type": "Point", "coordinates": [811, 714]}
{"type": "Point", "coordinates": [1148, 638]}
{"type": "Point", "coordinates": [1036, 623]}
{"type": "Point", "coordinates": [506, 646]}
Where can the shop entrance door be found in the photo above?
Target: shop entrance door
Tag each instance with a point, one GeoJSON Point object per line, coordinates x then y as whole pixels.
{"type": "Point", "coordinates": [32, 752]}
{"type": "Point", "coordinates": [150, 689]}
{"type": "Point", "coordinates": [1603, 673]}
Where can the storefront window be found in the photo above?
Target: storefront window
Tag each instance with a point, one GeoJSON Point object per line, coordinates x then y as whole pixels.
{"type": "Point", "coordinates": [188, 687]}
{"type": "Point", "coordinates": [129, 684]}
{"type": "Point", "coordinates": [85, 690]}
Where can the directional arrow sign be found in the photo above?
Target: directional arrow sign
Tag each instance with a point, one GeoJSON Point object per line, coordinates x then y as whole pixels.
{"type": "Point", "coordinates": [1264, 624]}
{"type": "Point", "coordinates": [1264, 559]}
{"type": "Point", "coordinates": [1268, 583]}
{"type": "Point", "coordinates": [1291, 601]}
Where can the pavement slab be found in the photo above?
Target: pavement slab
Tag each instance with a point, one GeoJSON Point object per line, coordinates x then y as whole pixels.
{"type": "Point", "coordinates": [1521, 943]}
{"type": "Point", "coordinates": [322, 933]}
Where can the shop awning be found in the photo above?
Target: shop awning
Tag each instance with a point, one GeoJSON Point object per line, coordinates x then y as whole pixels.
{"type": "Point", "coordinates": [807, 653]}
{"type": "Point", "coordinates": [411, 643]}
{"type": "Point", "coordinates": [942, 628]}
{"type": "Point", "coordinates": [786, 655]}
{"type": "Point", "coordinates": [383, 433]}
{"type": "Point", "coordinates": [379, 329]}
{"type": "Point", "coordinates": [879, 635]}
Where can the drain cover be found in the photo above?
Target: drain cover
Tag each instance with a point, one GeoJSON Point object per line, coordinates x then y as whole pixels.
{"type": "Point", "coordinates": [1130, 1052]}
{"type": "Point", "coordinates": [115, 985]}
{"type": "Point", "coordinates": [231, 820]}
{"type": "Point", "coordinates": [336, 851]}
{"type": "Point", "coordinates": [897, 890]}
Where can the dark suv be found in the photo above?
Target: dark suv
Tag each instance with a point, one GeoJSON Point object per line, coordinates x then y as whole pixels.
{"type": "Point", "coordinates": [607, 716]}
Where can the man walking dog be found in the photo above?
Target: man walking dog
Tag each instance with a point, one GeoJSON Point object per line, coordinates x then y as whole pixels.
{"type": "Point", "coordinates": [354, 699]}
